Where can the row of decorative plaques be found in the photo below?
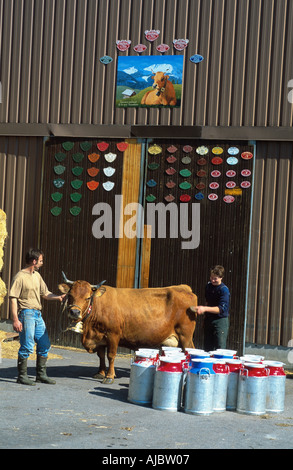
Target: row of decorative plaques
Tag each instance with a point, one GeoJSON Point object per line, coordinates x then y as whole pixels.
{"type": "Point", "coordinates": [78, 172]}
{"type": "Point", "coordinates": [201, 173]}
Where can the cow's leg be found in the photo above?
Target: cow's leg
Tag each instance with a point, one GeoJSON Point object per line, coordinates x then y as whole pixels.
{"type": "Point", "coordinates": [111, 354]}
{"type": "Point", "coordinates": [186, 337]}
{"type": "Point", "coordinates": [101, 352]}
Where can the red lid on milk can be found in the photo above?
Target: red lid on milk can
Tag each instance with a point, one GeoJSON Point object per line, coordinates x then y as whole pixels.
{"type": "Point", "coordinates": [275, 367]}
{"type": "Point", "coordinates": [170, 364]}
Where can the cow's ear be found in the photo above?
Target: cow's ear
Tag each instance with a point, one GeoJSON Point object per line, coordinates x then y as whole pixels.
{"type": "Point", "coordinates": [64, 288]}
{"type": "Point", "coordinates": [100, 291]}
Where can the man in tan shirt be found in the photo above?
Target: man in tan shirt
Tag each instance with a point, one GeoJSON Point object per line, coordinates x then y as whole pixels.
{"type": "Point", "coordinates": [27, 289]}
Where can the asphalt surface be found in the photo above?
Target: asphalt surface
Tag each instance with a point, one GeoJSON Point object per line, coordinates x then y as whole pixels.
{"type": "Point", "coordinates": [80, 412]}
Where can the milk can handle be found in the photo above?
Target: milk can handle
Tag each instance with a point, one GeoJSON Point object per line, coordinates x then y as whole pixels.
{"type": "Point", "coordinates": [244, 372]}
{"type": "Point", "coordinates": [185, 366]}
{"type": "Point", "coordinates": [206, 369]}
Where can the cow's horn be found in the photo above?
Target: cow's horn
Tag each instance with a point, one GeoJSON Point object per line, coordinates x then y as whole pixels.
{"type": "Point", "coordinates": [67, 280]}
{"type": "Point", "coordinates": [98, 285]}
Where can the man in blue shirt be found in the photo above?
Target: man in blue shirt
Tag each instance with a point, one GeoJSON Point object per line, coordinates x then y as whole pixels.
{"type": "Point", "coordinates": [216, 310]}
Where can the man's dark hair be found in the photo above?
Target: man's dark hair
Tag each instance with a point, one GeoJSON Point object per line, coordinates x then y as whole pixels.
{"type": "Point", "coordinates": [33, 254]}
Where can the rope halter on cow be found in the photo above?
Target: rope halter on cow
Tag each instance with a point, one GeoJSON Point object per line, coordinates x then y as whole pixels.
{"type": "Point", "coordinates": [84, 315]}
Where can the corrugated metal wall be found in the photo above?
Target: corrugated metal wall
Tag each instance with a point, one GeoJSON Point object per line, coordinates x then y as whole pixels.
{"type": "Point", "coordinates": [270, 291]}
{"type": "Point", "coordinates": [20, 177]}
{"type": "Point", "coordinates": [51, 72]}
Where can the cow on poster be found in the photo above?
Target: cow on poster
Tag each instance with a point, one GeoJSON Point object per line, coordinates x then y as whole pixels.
{"type": "Point", "coordinates": [149, 81]}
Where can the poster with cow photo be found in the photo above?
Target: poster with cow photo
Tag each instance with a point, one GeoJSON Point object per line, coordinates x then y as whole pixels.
{"type": "Point", "coordinates": [149, 81]}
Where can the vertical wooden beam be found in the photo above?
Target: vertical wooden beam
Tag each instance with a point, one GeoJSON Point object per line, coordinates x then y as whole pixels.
{"type": "Point", "coordinates": [146, 256]}
{"type": "Point", "coordinates": [130, 192]}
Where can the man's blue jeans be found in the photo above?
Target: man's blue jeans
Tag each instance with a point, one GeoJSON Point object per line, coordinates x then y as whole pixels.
{"type": "Point", "coordinates": [33, 331]}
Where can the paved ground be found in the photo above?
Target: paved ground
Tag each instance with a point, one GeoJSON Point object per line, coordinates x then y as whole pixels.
{"type": "Point", "coordinates": [82, 413]}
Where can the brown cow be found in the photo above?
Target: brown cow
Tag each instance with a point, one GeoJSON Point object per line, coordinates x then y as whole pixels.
{"type": "Point", "coordinates": [163, 93]}
{"type": "Point", "coordinates": [131, 318]}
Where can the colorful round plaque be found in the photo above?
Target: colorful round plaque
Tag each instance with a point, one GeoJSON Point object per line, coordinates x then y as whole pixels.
{"type": "Point", "coordinates": [60, 156]}
{"type": "Point", "coordinates": [228, 199]}
{"type": "Point", "coordinates": [214, 185]}
{"type": "Point", "coordinates": [199, 196]}
{"type": "Point", "coordinates": [75, 210]}
{"type": "Point", "coordinates": [75, 197]}
{"type": "Point", "coordinates": [230, 184]}
{"type": "Point", "coordinates": [151, 183]}
{"type": "Point", "coordinates": [185, 185]}
{"type": "Point", "coordinates": [170, 184]}
{"type": "Point", "coordinates": [202, 150]}
{"type": "Point", "coordinates": [185, 198]}
{"type": "Point", "coordinates": [77, 170]}
{"type": "Point", "coordinates": [186, 160]}
{"type": "Point", "coordinates": [59, 169]}
{"type": "Point", "coordinates": [232, 160]}
{"type": "Point", "coordinates": [68, 145]}
{"type": "Point", "coordinates": [185, 173]}
{"type": "Point", "coordinates": [56, 211]}
{"type": "Point", "coordinates": [151, 198]}
{"type": "Point", "coordinates": [187, 148]}
{"type": "Point", "coordinates": [155, 149]}
{"type": "Point", "coordinates": [76, 184]}
{"type": "Point", "coordinates": [170, 171]}
{"type": "Point", "coordinates": [93, 157]}
{"type": "Point", "coordinates": [233, 151]}
{"type": "Point", "coordinates": [217, 150]}
{"type": "Point", "coordinates": [92, 185]}
{"type": "Point", "coordinates": [169, 198]}
{"type": "Point", "coordinates": [215, 174]}
{"type": "Point", "coordinates": [245, 184]}
{"type": "Point", "coordinates": [171, 159]}
{"type": "Point", "coordinates": [213, 197]}
{"type": "Point", "coordinates": [77, 157]}
{"type": "Point", "coordinates": [217, 161]}
{"type": "Point", "coordinates": [247, 155]}
{"type": "Point", "coordinates": [56, 196]}
{"type": "Point", "coordinates": [153, 166]}
{"type": "Point", "coordinates": [93, 171]}
{"type": "Point", "coordinates": [85, 146]}
{"type": "Point", "coordinates": [58, 182]}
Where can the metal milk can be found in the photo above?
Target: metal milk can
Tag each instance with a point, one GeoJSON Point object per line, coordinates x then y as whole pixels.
{"type": "Point", "coordinates": [234, 370]}
{"type": "Point", "coordinates": [276, 387]}
{"type": "Point", "coordinates": [200, 388]}
{"type": "Point", "coordinates": [221, 385]}
{"type": "Point", "coordinates": [142, 374]}
{"type": "Point", "coordinates": [252, 389]}
{"type": "Point", "coordinates": [168, 383]}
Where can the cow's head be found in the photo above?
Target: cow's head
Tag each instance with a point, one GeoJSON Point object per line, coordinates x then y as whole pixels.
{"type": "Point", "coordinates": [160, 80]}
{"type": "Point", "coordinates": [80, 295]}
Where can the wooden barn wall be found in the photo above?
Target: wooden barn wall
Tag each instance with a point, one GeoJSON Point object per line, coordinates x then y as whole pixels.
{"type": "Point", "coordinates": [20, 181]}
{"type": "Point", "coordinates": [51, 73]}
{"type": "Point", "coordinates": [270, 292]}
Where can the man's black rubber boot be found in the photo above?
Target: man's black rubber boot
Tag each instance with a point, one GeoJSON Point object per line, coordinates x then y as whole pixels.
{"type": "Point", "coordinates": [41, 371]}
{"type": "Point", "coordinates": [22, 372]}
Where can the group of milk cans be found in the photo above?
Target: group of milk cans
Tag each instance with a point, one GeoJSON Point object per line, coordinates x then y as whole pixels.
{"type": "Point", "coordinates": [202, 383]}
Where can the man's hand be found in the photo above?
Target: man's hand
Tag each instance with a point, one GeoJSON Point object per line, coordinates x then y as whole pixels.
{"type": "Point", "coordinates": [200, 309]}
{"type": "Point", "coordinates": [17, 326]}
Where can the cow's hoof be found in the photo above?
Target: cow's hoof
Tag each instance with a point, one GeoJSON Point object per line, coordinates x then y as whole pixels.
{"type": "Point", "coordinates": [98, 375]}
{"type": "Point", "coordinates": [108, 380]}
